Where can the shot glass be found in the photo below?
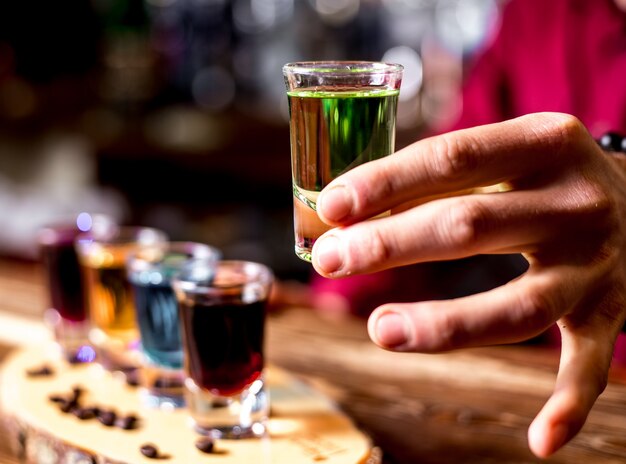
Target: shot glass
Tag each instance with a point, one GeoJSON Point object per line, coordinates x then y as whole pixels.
{"type": "Point", "coordinates": [103, 259]}
{"type": "Point", "coordinates": [67, 315]}
{"type": "Point", "coordinates": [223, 324]}
{"type": "Point", "coordinates": [150, 274]}
{"type": "Point", "coordinates": [341, 114]}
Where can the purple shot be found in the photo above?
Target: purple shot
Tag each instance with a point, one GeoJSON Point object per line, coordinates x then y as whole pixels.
{"type": "Point", "coordinates": [62, 270]}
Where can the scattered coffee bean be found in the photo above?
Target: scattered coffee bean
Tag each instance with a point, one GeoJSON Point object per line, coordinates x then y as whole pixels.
{"type": "Point", "coordinates": [206, 445]}
{"type": "Point", "coordinates": [149, 451]}
{"type": "Point", "coordinates": [107, 418]}
{"type": "Point", "coordinates": [84, 413]}
{"type": "Point", "coordinates": [57, 398]}
{"type": "Point", "coordinates": [168, 383]}
{"type": "Point", "coordinates": [71, 404]}
{"type": "Point", "coordinates": [127, 423]}
{"type": "Point", "coordinates": [132, 378]}
{"type": "Point", "coordinates": [43, 371]}
{"type": "Point", "coordinates": [95, 410]}
{"type": "Point", "coordinates": [67, 406]}
{"type": "Point", "coordinates": [84, 355]}
{"type": "Point", "coordinates": [77, 392]}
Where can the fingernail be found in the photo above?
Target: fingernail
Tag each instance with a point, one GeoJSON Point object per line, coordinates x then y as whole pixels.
{"type": "Point", "coordinates": [390, 330]}
{"type": "Point", "coordinates": [335, 203]}
{"type": "Point", "coordinates": [327, 254]}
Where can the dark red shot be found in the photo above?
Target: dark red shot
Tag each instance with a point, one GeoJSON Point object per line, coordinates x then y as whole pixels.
{"type": "Point", "coordinates": [224, 343]}
{"type": "Point", "coordinates": [63, 271]}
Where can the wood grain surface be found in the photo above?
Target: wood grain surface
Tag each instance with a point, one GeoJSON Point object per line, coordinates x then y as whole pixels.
{"type": "Point", "coordinates": [6, 453]}
{"type": "Point", "coordinates": [304, 426]}
{"type": "Point", "coordinates": [471, 406]}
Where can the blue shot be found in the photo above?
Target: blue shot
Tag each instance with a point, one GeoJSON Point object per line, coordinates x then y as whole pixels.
{"type": "Point", "coordinates": [156, 307]}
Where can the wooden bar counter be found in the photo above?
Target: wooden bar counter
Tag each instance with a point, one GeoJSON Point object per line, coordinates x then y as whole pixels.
{"type": "Point", "coordinates": [471, 406]}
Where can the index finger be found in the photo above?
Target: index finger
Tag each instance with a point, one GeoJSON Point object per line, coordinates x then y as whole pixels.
{"type": "Point", "coordinates": [456, 161]}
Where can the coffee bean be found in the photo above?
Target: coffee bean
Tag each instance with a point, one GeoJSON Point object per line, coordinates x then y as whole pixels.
{"type": "Point", "coordinates": [67, 406]}
{"type": "Point", "coordinates": [77, 392]}
{"type": "Point", "coordinates": [132, 378]}
{"type": "Point", "coordinates": [57, 398]}
{"type": "Point", "coordinates": [84, 413]}
{"type": "Point", "coordinates": [205, 445]}
{"type": "Point", "coordinates": [168, 383]}
{"type": "Point", "coordinates": [74, 359]}
{"type": "Point", "coordinates": [149, 451]}
{"type": "Point", "coordinates": [95, 410]}
{"type": "Point", "coordinates": [43, 371]}
{"type": "Point", "coordinates": [107, 418]}
{"type": "Point", "coordinates": [127, 423]}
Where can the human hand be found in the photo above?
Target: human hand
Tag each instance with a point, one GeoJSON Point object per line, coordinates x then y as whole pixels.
{"type": "Point", "coordinates": [563, 208]}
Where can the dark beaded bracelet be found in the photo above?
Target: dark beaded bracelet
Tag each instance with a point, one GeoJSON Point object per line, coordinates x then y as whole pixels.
{"type": "Point", "coordinates": [612, 141]}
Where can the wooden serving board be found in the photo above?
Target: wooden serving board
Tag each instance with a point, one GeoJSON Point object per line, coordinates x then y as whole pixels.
{"type": "Point", "coordinates": [304, 425]}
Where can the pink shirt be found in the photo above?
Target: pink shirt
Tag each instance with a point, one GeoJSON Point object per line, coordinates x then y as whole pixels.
{"type": "Point", "coordinates": [553, 55]}
{"type": "Point", "coordinates": [548, 55]}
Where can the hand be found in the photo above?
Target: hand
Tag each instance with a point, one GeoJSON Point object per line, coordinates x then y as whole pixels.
{"type": "Point", "coordinates": [561, 203]}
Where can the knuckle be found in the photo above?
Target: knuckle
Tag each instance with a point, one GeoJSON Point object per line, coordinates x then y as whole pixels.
{"type": "Point", "coordinates": [559, 133]}
{"type": "Point", "coordinates": [453, 157]}
{"type": "Point", "coordinates": [379, 251]}
{"type": "Point", "coordinates": [603, 210]}
{"type": "Point", "coordinates": [376, 248]}
{"type": "Point", "coordinates": [569, 125]}
{"type": "Point", "coordinates": [600, 199]}
{"type": "Point", "coordinates": [568, 133]}
{"type": "Point", "coordinates": [381, 188]}
{"type": "Point", "coordinates": [537, 310]}
{"type": "Point", "coordinates": [598, 206]}
{"type": "Point", "coordinates": [466, 224]}
{"type": "Point", "coordinates": [448, 333]}
{"type": "Point", "coordinates": [596, 212]}
{"type": "Point", "coordinates": [595, 383]}
{"type": "Point", "coordinates": [600, 380]}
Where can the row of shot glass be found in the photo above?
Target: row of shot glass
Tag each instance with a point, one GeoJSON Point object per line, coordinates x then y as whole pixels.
{"type": "Point", "coordinates": [189, 323]}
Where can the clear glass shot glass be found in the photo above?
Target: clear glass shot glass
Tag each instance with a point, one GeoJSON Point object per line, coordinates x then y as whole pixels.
{"type": "Point", "coordinates": [223, 313]}
{"type": "Point", "coordinates": [341, 114]}
{"type": "Point", "coordinates": [103, 258]}
{"type": "Point", "coordinates": [150, 274]}
{"type": "Point", "coordinates": [67, 315]}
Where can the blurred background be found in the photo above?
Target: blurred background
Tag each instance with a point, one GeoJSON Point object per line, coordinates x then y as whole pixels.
{"type": "Point", "coordinates": [173, 114]}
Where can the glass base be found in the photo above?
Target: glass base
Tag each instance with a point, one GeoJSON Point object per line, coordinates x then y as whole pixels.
{"type": "Point", "coordinates": [71, 337]}
{"type": "Point", "coordinates": [303, 253]}
{"type": "Point", "coordinates": [115, 355]}
{"type": "Point", "coordinates": [153, 400]}
{"type": "Point", "coordinates": [235, 432]}
{"type": "Point", "coordinates": [240, 416]}
{"type": "Point", "coordinates": [162, 388]}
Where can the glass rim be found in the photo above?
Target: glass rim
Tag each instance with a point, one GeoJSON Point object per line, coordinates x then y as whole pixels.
{"type": "Point", "coordinates": [121, 235]}
{"type": "Point", "coordinates": [260, 273]}
{"type": "Point", "coordinates": [68, 226]}
{"type": "Point", "coordinates": [141, 260]}
{"type": "Point", "coordinates": [342, 68]}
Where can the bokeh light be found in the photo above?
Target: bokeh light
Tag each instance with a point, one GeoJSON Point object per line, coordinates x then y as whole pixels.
{"type": "Point", "coordinates": [213, 88]}
{"type": "Point", "coordinates": [336, 12]}
{"type": "Point", "coordinates": [462, 25]}
{"type": "Point", "coordinates": [413, 69]}
{"type": "Point", "coordinates": [256, 16]}
{"type": "Point", "coordinates": [84, 222]}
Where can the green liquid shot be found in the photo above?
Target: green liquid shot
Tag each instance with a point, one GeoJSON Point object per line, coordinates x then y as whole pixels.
{"type": "Point", "coordinates": [333, 130]}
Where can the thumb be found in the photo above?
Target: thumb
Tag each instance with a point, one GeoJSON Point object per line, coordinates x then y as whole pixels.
{"type": "Point", "coordinates": [582, 377]}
